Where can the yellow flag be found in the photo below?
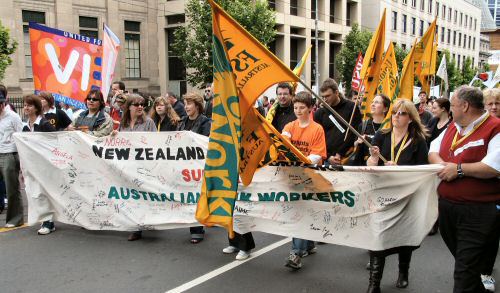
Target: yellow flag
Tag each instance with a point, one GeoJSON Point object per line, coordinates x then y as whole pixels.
{"type": "Point", "coordinates": [300, 66]}
{"type": "Point", "coordinates": [254, 67]}
{"type": "Point", "coordinates": [424, 52]}
{"type": "Point", "coordinates": [388, 79]}
{"type": "Point", "coordinates": [370, 71]}
{"type": "Point", "coordinates": [262, 144]}
{"type": "Point", "coordinates": [220, 178]}
{"type": "Point", "coordinates": [407, 79]}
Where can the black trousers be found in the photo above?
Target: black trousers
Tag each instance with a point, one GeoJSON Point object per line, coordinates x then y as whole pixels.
{"type": "Point", "coordinates": [466, 229]}
{"type": "Point", "coordinates": [242, 241]}
{"type": "Point", "coordinates": [491, 250]}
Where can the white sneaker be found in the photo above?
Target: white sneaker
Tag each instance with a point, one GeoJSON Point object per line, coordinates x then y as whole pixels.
{"type": "Point", "coordinates": [45, 230]}
{"type": "Point", "coordinates": [230, 249]}
{"type": "Point", "coordinates": [9, 226]}
{"type": "Point", "coordinates": [488, 282]}
{"type": "Point", "coordinates": [242, 255]}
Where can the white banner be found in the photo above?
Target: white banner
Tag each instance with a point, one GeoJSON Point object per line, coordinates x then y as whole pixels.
{"type": "Point", "coordinates": [150, 181]}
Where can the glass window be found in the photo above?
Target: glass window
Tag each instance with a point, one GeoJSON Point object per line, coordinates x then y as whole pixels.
{"type": "Point", "coordinates": [421, 30]}
{"type": "Point", "coordinates": [404, 23]}
{"type": "Point", "coordinates": [132, 48]}
{"type": "Point", "coordinates": [422, 5]}
{"type": "Point", "coordinates": [33, 16]}
{"type": "Point", "coordinates": [429, 6]}
{"type": "Point", "coordinates": [413, 25]}
{"type": "Point", "coordinates": [294, 7]}
{"type": "Point", "coordinates": [394, 20]}
{"type": "Point", "coordinates": [89, 27]}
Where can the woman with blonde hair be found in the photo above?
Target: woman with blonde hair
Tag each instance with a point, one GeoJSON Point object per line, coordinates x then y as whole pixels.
{"type": "Point", "coordinates": [492, 101]}
{"type": "Point", "coordinates": [163, 115]}
{"type": "Point", "coordinates": [402, 144]}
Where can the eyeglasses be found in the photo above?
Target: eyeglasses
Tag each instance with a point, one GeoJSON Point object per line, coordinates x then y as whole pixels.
{"type": "Point", "coordinates": [93, 99]}
{"type": "Point", "coordinates": [207, 91]}
{"type": "Point", "coordinates": [400, 113]}
{"type": "Point", "coordinates": [137, 104]}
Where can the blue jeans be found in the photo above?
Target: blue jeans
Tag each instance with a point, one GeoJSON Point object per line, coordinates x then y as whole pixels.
{"type": "Point", "coordinates": [300, 246]}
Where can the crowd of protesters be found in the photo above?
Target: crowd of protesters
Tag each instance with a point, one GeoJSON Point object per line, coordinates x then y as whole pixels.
{"type": "Point", "coordinates": [462, 134]}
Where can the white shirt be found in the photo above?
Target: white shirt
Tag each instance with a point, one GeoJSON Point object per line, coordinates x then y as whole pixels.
{"type": "Point", "coordinates": [10, 123]}
{"type": "Point", "coordinates": [492, 157]}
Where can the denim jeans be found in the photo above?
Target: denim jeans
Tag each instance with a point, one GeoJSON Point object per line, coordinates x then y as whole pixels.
{"type": "Point", "coordinates": [300, 246]}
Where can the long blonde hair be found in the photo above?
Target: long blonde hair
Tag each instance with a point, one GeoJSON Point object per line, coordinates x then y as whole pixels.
{"type": "Point", "coordinates": [171, 114]}
{"type": "Point", "coordinates": [416, 128]}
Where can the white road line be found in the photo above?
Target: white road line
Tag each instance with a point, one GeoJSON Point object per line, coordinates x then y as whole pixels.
{"type": "Point", "coordinates": [225, 268]}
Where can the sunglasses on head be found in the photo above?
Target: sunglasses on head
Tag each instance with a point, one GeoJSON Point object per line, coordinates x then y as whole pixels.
{"type": "Point", "coordinates": [400, 113]}
{"type": "Point", "coordinates": [93, 99]}
{"type": "Point", "coordinates": [137, 104]}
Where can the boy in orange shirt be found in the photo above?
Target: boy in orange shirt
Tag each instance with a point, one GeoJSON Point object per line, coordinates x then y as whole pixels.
{"type": "Point", "coordinates": [309, 137]}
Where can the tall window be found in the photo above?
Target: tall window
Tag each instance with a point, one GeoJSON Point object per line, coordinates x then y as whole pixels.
{"type": "Point", "coordinates": [429, 6]}
{"type": "Point", "coordinates": [413, 3]}
{"type": "Point", "coordinates": [442, 34]}
{"type": "Point", "coordinates": [455, 16]}
{"type": "Point", "coordinates": [475, 24]}
{"type": "Point", "coordinates": [422, 5]}
{"type": "Point", "coordinates": [413, 25]}
{"type": "Point", "coordinates": [421, 30]}
{"type": "Point", "coordinates": [294, 7]}
{"type": "Point", "coordinates": [404, 23]}
{"type": "Point", "coordinates": [461, 18]}
{"type": "Point", "coordinates": [176, 69]}
{"type": "Point", "coordinates": [449, 14]}
{"type": "Point", "coordinates": [469, 41]}
{"type": "Point", "coordinates": [313, 9]}
{"type": "Point", "coordinates": [454, 37]}
{"type": "Point", "coordinates": [474, 43]}
{"type": "Point", "coordinates": [459, 39]}
{"type": "Point", "coordinates": [294, 52]}
{"type": "Point", "coordinates": [89, 27]}
{"type": "Point", "coordinates": [443, 14]}
{"type": "Point", "coordinates": [437, 9]}
{"type": "Point", "coordinates": [394, 20]}
{"type": "Point", "coordinates": [405, 2]}
{"type": "Point", "coordinates": [34, 16]}
{"type": "Point", "coordinates": [466, 18]}
{"type": "Point", "coordinates": [132, 49]}
{"type": "Point", "coordinates": [449, 35]}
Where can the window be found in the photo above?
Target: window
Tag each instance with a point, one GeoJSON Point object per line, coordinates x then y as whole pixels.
{"type": "Point", "coordinates": [437, 9]}
{"type": "Point", "coordinates": [294, 52]}
{"type": "Point", "coordinates": [313, 9]}
{"type": "Point", "coordinates": [459, 39]}
{"type": "Point", "coordinates": [34, 16]}
{"type": "Point", "coordinates": [474, 43]}
{"type": "Point", "coordinates": [454, 37]}
{"type": "Point", "coordinates": [443, 15]}
{"type": "Point", "coordinates": [455, 16]}
{"type": "Point", "coordinates": [469, 41]}
{"type": "Point", "coordinates": [466, 18]}
{"type": "Point", "coordinates": [132, 49]}
{"type": "Point", "coordinates": [422, 5]}
{"type": "Point", "coordinates": [294, 7]}
{"type": "Point", "coordinates": [475, 24]}
{"type": "Point", "coordinates": [413, 3]}
{"type": "Point", "coordinates": [332, 11]}
{"type": "Point", "coordinates": [176, 69]}
{"type": "Point", "coordinates": [449, 14]}
{"type": "Point", "coordinates": [429, 7]}
{"type": "Point", "coordinates": [404, 2]}
{"type": "Point", "coordinates": [465, 41]}
{"type": "Point", "coordinates": [421, 30]}
{"type": "Point", "coordinates": [458, 61]}
{"type": "Point", "coordinates": [89, 27]}
{"type": "Point", "coordinates": [403, 46]}
{"type": "Point", "coordinates": [413, 25]}
{"type": "Point", "coordinates": [461, 17]}
{"type": "Point", "coordinates": [394, 20]}
{"type": "Point", "coordinates": [176, 19]}
{"type": "Point", "coordinates": [404, 23]}
{"type": "Point", "coordinates": [442, 34]}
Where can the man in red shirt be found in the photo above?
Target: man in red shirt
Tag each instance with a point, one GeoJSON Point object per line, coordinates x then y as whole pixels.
{"type": "Point", "coordinates": [470, 153]}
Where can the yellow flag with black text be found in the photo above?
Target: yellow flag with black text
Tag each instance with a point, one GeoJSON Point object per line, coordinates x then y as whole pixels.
{"type": "Point", "coordinates": [407, 79]}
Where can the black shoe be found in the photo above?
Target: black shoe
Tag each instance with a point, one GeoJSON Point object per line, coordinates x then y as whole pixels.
{"type": "Point", "coordinates": [376, 272]}
{"type": "Point", "coordinates": [402, 281]}
{"type": "Point", "coordinates": [135, 236]}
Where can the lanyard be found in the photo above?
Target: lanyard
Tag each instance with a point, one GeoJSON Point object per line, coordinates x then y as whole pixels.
{"type": "Point", "coordinates": [401, 147]}
{"type": "Point", "coordinates": [159, 126]}
{"type": "Point", "coordinates": [455, 143]}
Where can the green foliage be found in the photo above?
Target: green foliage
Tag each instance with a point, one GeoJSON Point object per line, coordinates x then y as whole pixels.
{"type": "Point", "coordinates": [486, 67]}
{"type": "Point", "coordinates": [7, 48]}
{"type": "Point", "coordinates": [468, 71]}
{"type": "Point", "coordinates": [354, 42]}
{"type": "Point", "coordinates": [400, 56]}
{"type": "Point", "coordinates": [193, 42]}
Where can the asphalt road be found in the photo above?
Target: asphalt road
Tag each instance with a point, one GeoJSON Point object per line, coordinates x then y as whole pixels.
{"type": "Point", "coordinates": [76, 260]}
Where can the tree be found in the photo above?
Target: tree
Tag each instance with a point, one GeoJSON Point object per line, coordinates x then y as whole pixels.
{"type": "Point", "coordinates": [468, 72]}
{"type": "Point", "coordinates": [193, 42]}
{"type": "Point", "coordinates": [400, 56]}
{"type": "Point", "coordinates": [7, 48]}
{"type": "Point", "coordinates": [354, 42]}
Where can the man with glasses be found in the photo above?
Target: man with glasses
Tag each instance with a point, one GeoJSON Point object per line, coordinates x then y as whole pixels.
{"type": "Point", "coordinates": [209, 98]}
{"type": "Point", "coordinates": [10, 123]}
{"type": "Point", "coordinates": [337, 145]}
{"type": "Point", "coordinates": [281, 113]}
{"type": "Point", "coordinates": [469, 151]}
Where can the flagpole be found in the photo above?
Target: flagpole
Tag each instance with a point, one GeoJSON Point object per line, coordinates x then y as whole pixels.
{"type": "Point", "coordinates": [352, 115]}
{"type": "Point", "coordinates": [337, 115]}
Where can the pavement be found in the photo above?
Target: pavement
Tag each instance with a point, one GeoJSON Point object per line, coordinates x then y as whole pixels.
{"type": "Point", "coordinates": [73, 259]}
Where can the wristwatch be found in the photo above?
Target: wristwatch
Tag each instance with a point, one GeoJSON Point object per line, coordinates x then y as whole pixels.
{"type": "Point", "coordinates": [460, 172]}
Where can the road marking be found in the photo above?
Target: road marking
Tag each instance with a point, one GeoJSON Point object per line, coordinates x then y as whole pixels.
{"type": "Point", "coordinates": [227, 267]}
{"type": "Point", "coordinates": [2, 230]}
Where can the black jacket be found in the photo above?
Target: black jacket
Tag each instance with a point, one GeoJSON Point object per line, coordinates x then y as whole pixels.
{"type": "Point", "coordinates": [201, 125]}
{"type": "Point", "coordinates": [334, 137]}
{"type": "Point", "coordinates": [43, 126]}
{"type": "Point", "coordinates": [283, 116]}
{"type": "Point", "coordinates": [165, 125]}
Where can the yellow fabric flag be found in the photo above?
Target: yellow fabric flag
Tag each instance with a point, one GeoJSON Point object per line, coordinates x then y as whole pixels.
{"type": "Point", "coordinates": [370, 71]}
{"type": "Point", "coordinates": [388, 82]}
{"type": "Point", "coordinates": [407, 79]}
{"type": "Point", "coordinates": [255, 68]}
{"type": "Point", "coordinates": [263, 144]}
{"type": "Point", "coordinates": [424, 52]}
{"type": "Point", "coordinates": [300, 66]}
{"type": "Point", "coordinates": [220, 178]}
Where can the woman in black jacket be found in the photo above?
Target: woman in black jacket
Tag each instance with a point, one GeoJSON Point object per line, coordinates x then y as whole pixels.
{"type": "Point", "coordinates": [37, 123]}
{"type": "Point", "coordinates": [164, 116]}
{"type": "Point", "coordinates": [195, 121]}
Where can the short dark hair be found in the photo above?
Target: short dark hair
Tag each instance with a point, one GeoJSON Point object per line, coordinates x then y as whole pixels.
{"type": "Point", "coordinates": [285, 85]}
{"type": "Point", "coordinates": [304, 98]}
{"type": "Point", "coordinates": [385, 100]}
{"type": "Point", "coordinates": [121, 84]}
{"type": "Point", "coordinates": [3, 90]}
{"type": "Point", "coordinates": [35, 101]}
{"type": "Point", "coordinates": [97, 94]}
{"type": "Point", "coordinates": [171, 94]}
{"type": "Point", "coordinates": [471, 95]}
{"type": "Point", "coordinates": [47, 97]}
{"type": "Point", "coordinates": [443, 103]}
{"type": "Point", "coordinates": [329, 83]}
{"type": "Point", "coordinates": [422, 92]}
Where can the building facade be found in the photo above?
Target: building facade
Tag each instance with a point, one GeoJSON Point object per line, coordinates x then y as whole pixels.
{"type": "Point", "coordinates": [145, 27]}
{"type": "Point", "coordinates": [494, 7]}
{"type": "Point", "coordinates": [458, 24]}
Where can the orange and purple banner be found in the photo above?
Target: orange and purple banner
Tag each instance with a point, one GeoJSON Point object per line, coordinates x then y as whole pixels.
{"type": "Point", "coordinates": [65, 64]}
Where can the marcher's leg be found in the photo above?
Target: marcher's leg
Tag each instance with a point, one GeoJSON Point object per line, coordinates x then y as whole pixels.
{"type": "Point", "coordinates": [10, 171]}
{"type": "Point", "coordinates": [404, 266]}
{"type": "Point", "coordinates": [490, 255]}
{"type": "Point", "coordinates": [377, 260]}
{"type": "Point", "coordinates": [447, 225]}
{"type": "Point", "coordinates": [2, 196]}
{"type": "Point", "coordinates": [197, 234]}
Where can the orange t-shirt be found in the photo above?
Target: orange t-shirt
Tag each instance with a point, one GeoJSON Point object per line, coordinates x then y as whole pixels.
{"type": "Point", "coordinates": [309, 140]}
